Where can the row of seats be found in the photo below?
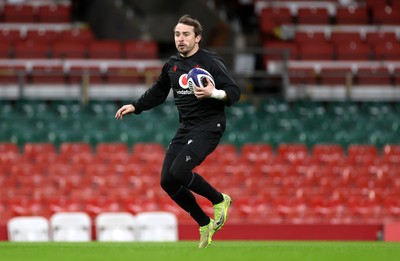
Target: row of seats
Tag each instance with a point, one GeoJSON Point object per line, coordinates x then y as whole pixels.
{"type": "Point", "coordinates": [346, 50]}
{"type": "Point", "coordinates": [344, 75]}
{"type": "Point", "coordinates": [96, 49]}
{"type": "Point", "coordinates": [271, 122]}
{"type": "Point", "coordinates": [325, 13]}
{"type": "Point", "coordinates": [108, 226]}
{"type": "Point", "coordinates": [35, 13]}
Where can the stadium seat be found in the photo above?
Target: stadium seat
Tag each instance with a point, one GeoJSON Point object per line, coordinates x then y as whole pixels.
{"type": "Point", "coordinates": [68, 49]}
{"type": "Point", "coordinates": [373, 38]}
{"type": "Point", "coordinates": [352, 15]}
{"type": "Point", "coordinates": [353, 50]}
{"type": "Point", "coordinates": [124, 75]}
{"type": "Point", "coordinates": [77, 35]}
{"type": "Point", "coordinates": [54, 13]}
{"type": "Point", "coordinates": [32, 150]}
{"type": "Point", "coordinates": [373, 76]}
{"type": "Point", "coordinates": [340, 37]}
{"type": "Point", "coordinates": [336, 76]}
{"type": "Point", "coordinates": [157, 226]}
{"type": "Point", "coordinates": [115, 226]}
{"type": "Point", "coordinates": [388, 50]}
{"type": "Point", "coordinates": [111, 148]}
{"type": "Point", "coordinates": [313, 15]}
{"type": "Point", "coordinates": [48, 74]}
{"type": "Point", "coordinates": [277, 50]}
{"type": "Point", "coordinates": [71, 148]}
{"type": "Point", "coordinates": [302, 76]}
{"type": "Point", "coordinates": [386, 15]}
{"type": "Point", "coordinates": [139, 50]}
{"type": "Point", "coordinates": [273, 17]}
{"type": "Point", "coordinates": [30, 49]}
{"type": "Point", "coordinates": [310, 37]}
{"type": "Point", "coordinates": [19, 13]}
{"type": "Point", "coordinates": [105, 49]}
{"type": "Point", "coordinates": [70, 227]}
{"type": "Point", "coordinates": [6, 147]}
{"type": "Point", "coordinates": [9, 35]}
{"type": "Point", "coordinates": [45, 36]}
{"type": "Point", "coordinates": [5, 49]}
{"type": "Point", "coordinates": [28, 229]}
{"type": "Point", "coordinates": [316, 51]}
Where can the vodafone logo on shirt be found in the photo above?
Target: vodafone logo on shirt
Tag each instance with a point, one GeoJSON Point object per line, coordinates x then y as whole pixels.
{"type": "Point", "coordinates": [183, 81]}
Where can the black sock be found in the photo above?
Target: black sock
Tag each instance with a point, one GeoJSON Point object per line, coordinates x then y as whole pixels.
{"type": "Point", "coordinates": [186, 200]}
{"type": "Point", "coordinates": [203, 188]}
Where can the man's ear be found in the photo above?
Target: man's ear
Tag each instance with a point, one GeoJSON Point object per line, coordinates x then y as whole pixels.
{"type": "Point", "coordinates": [198, 39]}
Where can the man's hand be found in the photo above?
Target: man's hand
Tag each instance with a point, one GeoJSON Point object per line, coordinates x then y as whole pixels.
{"type": "Point", "coordinates": [126, 109]}
{"type": "Point", "coordinates": [204, 92]}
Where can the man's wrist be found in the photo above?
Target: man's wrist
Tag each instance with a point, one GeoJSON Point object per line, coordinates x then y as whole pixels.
{"type": "Point", "coordinates": [218, 94]}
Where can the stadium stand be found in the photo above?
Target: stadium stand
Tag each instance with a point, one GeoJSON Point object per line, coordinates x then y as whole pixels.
{"type": "Point", "coordinates": [329, 158]}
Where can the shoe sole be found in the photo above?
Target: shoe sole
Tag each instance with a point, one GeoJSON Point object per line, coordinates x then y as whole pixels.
{"type": "Point", "coordinates": [225, 216]}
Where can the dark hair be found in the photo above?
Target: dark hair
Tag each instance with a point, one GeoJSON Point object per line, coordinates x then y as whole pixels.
{"type": "Point", "coordinates": [188, 20]}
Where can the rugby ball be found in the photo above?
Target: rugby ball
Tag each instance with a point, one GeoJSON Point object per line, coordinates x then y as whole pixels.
{"type": "Point", "coordinates": [197, 76]}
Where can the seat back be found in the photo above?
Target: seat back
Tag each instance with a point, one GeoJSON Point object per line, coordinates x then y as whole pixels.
{"type": "Point", "coordinates": [28, 229]}
{"type": "Point", "coordinates": [157, 226]}
{"type": "Point", "coordinates": [71, 227]}
{"type": "Point", "coordinates": [116, 226]}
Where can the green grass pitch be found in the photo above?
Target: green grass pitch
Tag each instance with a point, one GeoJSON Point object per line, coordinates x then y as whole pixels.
{"type": "Point", "coordinates": [188, 251]}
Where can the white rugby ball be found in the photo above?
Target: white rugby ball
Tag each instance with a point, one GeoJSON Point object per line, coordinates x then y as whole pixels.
{"type": "Point", "coordinates": [197, 76]}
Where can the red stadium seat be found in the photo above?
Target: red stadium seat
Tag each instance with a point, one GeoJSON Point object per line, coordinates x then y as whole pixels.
{"type": "Point", "coordinates": [106, 49]}
{"type": "Point", "coordinates": [111, 148]}
{"type": "Point", "coordinates": [140, 50]}
{"type": "Point", "coordinates": [70, 148]}
{"type": "Point", "coordinates": [139, 148]}
{"type": "Point", "coordinates": [373, 76]}
{"type": "Point", "coordinates": [77, 35]}
{"type": "Point", "coordinates": [353, 50]}
{"type": "Point", "coordinates": [335, 76]}
{"type": "Point", "coordinates": [19, 13]}
{"type": "Point", "coordinates": [71, 50]}
{"type": "Point", "coordinates": [310, 37]}
{"type": "Point", "coordinates": [77, 74]}
{"type": "Point", "coordinates": [272, 17]}
{"type": "Point", "coordinates": [373, 38]}
{"type": "Point", "coordinates": [352, 15]}
{"type": "Point", "coordinates": [32, 150]}
{"type": "Point", "coordinates": [48, 74]}
{"type": "Point", "coordinates": [316, 51]}
{"type": "Point", "coordinates": [9, 35]}
{"type": "Point", "coordinates": [362, 149]}
{"type": "Point", "coordinates": [276, 50]}
{"type": "Point", "coordinates": [312, 15]}
{"type": "Point", "coordinates": [397, 76]}
{"type": "Point", "coordinates": [5, 50]}
{"type": "Point", "coordinates": [29, 49]}
{"type": "Point", "coordinates": [12, 73]}
{"type": "Point", "coordinates": [302, 76]}
{"type": "Point", "coordinates": [387, 51]}
{"type": "Point", "coordinates": [344, 37]}
{"type": "Point", "coordinates": [292, 151]}
{"type": "Point", "coordinates": [54, 13]}
{"type": "Point", "coordinates": [386, 15]}
{"type": "Point", "coordinates": [124, 75]}
{"type": "Point", "coordinates": [6, 147]}
{"type": "Point", "coordinates": [45, 36]}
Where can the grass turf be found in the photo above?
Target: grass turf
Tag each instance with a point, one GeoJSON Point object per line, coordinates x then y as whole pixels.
{"type": "Point", "coordinates": [188, 251]}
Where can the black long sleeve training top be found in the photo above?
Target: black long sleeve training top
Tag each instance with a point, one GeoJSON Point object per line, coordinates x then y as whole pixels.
{"type": "Point", "coordinates": [202, 114]}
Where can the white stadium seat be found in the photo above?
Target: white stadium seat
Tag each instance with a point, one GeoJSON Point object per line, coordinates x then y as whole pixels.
{"type": "Point", "coordinates": [116, 226]}
{"type": "Point", "coordinates": [157, 226]}
{"type": "Point", "coordinates": [71, 227]}
{"type": "Point", "coordinates": [28, 229]}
